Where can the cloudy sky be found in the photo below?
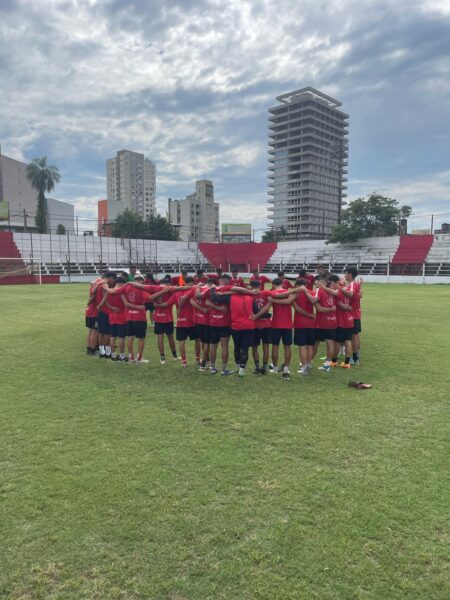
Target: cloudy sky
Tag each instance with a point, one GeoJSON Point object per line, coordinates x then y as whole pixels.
{"type": "Point", "coordinates": [189, 82]}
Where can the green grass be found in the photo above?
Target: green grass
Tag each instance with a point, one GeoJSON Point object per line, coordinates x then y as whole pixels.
{"type": "Point", "coordinates": [126, 482]}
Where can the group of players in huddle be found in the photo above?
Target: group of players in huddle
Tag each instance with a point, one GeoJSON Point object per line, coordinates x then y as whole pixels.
{"type": "Point", "coordinates": [212, 308]}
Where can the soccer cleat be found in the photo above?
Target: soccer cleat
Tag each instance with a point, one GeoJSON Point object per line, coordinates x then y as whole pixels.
{"type": "Point", "coordinates": [344, 365]}
{"type": "Point", "coordinates": [263, 371]}
{"type": "Point", "coordinates": [124, 359]}
{"type": "Point", "coordinates": [286, 377]}
{"type": "Point", "coordinates": [226, 372]}
{"type": "Point", "coordinates": [325, 368]}
{"type": "Point", "coordinates": [214, 371]}
{"type": "Point", "coordinates": [175, 358]}
{"type": "Point", "coordinates": [115, 358]}
{"type": "Point", "coordinates": [102, 355]}
{"type": "Point", "coordinates": [270, 367]}
{"type": "Point", "coordinates": [241, 372]}
{"type": "Point", "coordinates": [256, 371]}
{"type": "Point", "coordinates": [333, 364]}
{"type": "Point", "coordinates": [162, 360]}
{"type": "Point", "coordinates": [202, 368]}
{"type": "Point", "coordinates": [303, 370]}
{"type": "Point", "coordinates": [141, 361]}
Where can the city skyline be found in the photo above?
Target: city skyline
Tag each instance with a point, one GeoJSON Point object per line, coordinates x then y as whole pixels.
{"type": "Point", "coordinates": [189, 85]}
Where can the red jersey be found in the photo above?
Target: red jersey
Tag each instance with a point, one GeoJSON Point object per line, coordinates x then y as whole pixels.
{"type": "Point", "coordinates": [300, 321]}
{"type": "Point", "coordinates": [198, 279]}
{"type": "Point", "coordinates": [200, 318]}
{"type": "Point", "coordinates": [237, 281]}
{"type": "Point", "coordinates": [163, 314]}
{"type": "Point", "coordinates": [344, 317]}
{"type": "Point", "coordinates": [286, 285]}
{"type": "Point", "coordinates": [218, 318]}
{"type": "Point", "coordinates": [262, 280]}
{"type": "Point", "coordinates": [259, 302]}
{"type": "Point", "coordinates": [116, 318]}
{"type": "Point", "coordinates": [185, 314]}
{"type": "Point", "coordinates": [100, 292]}
{"type": "Point", "coordinates": [355, 301]}
{"type": "Point", "coordinates": [326, 320]}
{"type": "Point", "coordinates": [91, 309]}
{"type": "Point", "coordinates": [282, 313]}
{"type": "Point", "coordinates": [137, 297]}
{"type": "Point", "coordinates": [241, 307]}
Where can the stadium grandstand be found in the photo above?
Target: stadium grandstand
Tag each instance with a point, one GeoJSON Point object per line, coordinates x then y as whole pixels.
{"type": "Point", "coordinates": [27, 257]}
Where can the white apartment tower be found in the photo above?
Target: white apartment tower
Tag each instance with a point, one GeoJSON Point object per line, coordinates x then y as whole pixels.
{"type": "Point", "coordinates": [308, 150]}
{"type": "Point", "coordinates": [197, 216]}
{"type": "Point", "coordinates": [131, 180]}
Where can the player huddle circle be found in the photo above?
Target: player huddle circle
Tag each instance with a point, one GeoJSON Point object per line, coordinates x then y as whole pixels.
{"type": "Point", "coordinates": [212, 308]}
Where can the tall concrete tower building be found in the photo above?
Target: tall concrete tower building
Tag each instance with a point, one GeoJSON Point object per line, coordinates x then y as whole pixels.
{"type": "Point", "coordinates": [308, 150]}
{"type": "Point", "coordinates": [197, 215]}
{"type": "Point", "coordinates": [131, 180]}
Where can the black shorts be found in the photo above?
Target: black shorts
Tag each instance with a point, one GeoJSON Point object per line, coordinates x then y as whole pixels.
{"type": "Point", "coordinates": [305, 336]}
{"type": "Point", "coordinates": [344, 334]}
{"type": "Point", "coordinates": [91, 322]}
{"type": "Point", "coordinates": [262, 335]}
{"type": "Point", "coordinates": [149, 306]}
{"type": "Point", "coordinates": [281, 335]}
{"type": "Point", "coordinates": [357, 326]}
{"type": "Point", "coordinates": [243, 338]}
{"type": "Point", "coordinates": [160, 328]}
{"type": "Point", "coordinates": [215, 333]}
{"type": "Point", "coordinates": [137, 329]}
{"type": "Point", "coordinates": [202, 332]}
{"type": "Point", "coordinates": [119, 330]}
{"type": "Point", "coordinates": [183, 333]}
{"type": "Point", "coordinates": [103, 323]}
{"type": "Point", "coordinates": [325, 334]}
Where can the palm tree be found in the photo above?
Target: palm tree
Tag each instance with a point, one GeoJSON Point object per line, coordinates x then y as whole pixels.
{"type": "Point", "coordinates": [43, 178]}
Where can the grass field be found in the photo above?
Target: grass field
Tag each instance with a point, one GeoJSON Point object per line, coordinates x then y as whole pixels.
{"type": "Point", "coordinates": [147, 482]}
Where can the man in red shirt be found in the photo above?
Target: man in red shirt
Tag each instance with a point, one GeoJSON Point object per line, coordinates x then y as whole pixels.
{"type": "Point", "coordinates": [134, 299]}
{"type": "Point", "coordinates": [345, 325]}
{"type": "Point", "coordinates": [201, 318]}
{"type": "Point", "coordinates": [263, 327]}
{"type": "Point", "coordinates": [200, 277]}
{"type": "Point", "coordinates": [219, 324]}
{"type": "Point", "coordinates": [303, 274]}
{"type": "Point", "coordinates": [354, 291]}
{"type": "Point", "coordinates": [261, 278]}
{"type": "Point", "coordinates": [104, 328]}
{"type": "Point", "coordinates": [117, 321]}
{"type": "Point", "coordinates": [163, 320]}
{"type": "Point", "coordinates": [304, 325]}
{"type": "Point", "coordinates": [286, 285]}
{"type": "Point", "coordinates": [281, 326]}
{"type": "Point", "coordinates": [326, 322]}
{"type": "Point", "coordinates": [91, 318]}
{"type": "Point", "coordinates": [235, 279]}
{"type": "Point", "coordinates": [185, 319]}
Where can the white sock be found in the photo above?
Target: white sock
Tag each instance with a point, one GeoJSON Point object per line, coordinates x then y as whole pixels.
{"type": "Point", "coordinates": [108, 350]}
{"type": "Point", "coordinates": [275, 369]}
{"type": "Point", "coordinates": [286, 369]}
{"type": "Point", "coordinates": [101, 349]}
{"type": "Point", "coordinates": [122, 355]}
{"type": "Point", "coordinates": [241, 370]}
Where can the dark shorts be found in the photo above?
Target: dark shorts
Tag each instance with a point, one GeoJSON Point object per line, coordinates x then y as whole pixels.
{"type": "Point", "coordinates": [91, 322]}
{"type": "Point", "coordinates": [357, 326]}
{"type": "Point", "coordinates": [149, 306]}
{"type": "Point", "coordinates": [202, 332]}
{"type": "Point", "coordinates": [281, 335]}
{"type": "Point", "coordinates": [119, 330]}
{"type": "Point", "coordinates": [137, 329]}
{"type": "Point", "coordinates": [344, 334]}
{"type": "Point", "coordinates": [262, 335]}
{"type": "Point", "coordinates": [305, 336]}
{"type": "Point", "coordinates": [215, 333]}
{"type": "Point", "coordinates": [183, 333]}
{"type": "Point", "coordinates": [243, 338]}
{"type": "Point", "coordinates": [325, 334]}
{"type": "Point", "coordinates": [103, 323]}
{"type": "Point", "coordinates": [160, 328]}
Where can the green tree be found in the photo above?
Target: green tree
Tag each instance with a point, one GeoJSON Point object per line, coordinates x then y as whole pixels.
{"type": "Point", "coordinates": [375, 216]}
{"type": "Point", "coordinates": [43, 178]}
{"type": "Point", "coordinates": [275, 234]}
{"type": "Point", "coordinates": [131, 225]}
{"type": "Point", "coordinates": [61, 230]}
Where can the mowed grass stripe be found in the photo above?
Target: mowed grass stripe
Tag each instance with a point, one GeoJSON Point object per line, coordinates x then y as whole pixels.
{"type": "Point", "coordinates": [123, 481]}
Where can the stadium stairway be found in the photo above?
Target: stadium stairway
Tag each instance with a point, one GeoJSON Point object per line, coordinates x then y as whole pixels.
{"type": "Point", "coordinates": [244, 257]}
{"type": "Point", "coordinates": [411, 254]}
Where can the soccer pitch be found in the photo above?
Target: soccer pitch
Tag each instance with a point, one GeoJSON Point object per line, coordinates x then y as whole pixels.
{"type": "Point", "coordinates": [122, 481]}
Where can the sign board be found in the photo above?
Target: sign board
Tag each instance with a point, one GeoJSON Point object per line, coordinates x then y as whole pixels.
{"type": "Point", "coordinates": [237, 229]}
{"type": "Point", "coordinates": [4, 210]}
